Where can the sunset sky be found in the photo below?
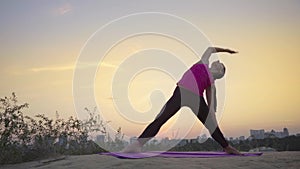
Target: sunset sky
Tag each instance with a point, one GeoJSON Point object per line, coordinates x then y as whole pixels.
{"type": "Point", "coordinates": [41, 42]}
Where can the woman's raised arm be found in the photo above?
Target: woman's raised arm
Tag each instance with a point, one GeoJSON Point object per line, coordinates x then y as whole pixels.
{"type": "Point", "coordinates": [210, 50]}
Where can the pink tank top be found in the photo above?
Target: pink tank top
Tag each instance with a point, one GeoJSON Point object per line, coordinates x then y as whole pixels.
{"type": "Point", "coordinates": [196, 79]}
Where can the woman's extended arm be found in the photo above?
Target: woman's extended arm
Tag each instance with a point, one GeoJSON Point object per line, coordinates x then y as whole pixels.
{"type": "Point", "coordinates": [210, 50]}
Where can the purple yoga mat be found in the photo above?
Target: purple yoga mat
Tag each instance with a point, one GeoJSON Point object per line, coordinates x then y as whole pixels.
{"type": "Point", "coordinates": [173, 154]}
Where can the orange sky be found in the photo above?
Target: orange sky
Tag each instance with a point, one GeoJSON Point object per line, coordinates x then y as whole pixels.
{"type": "Point", "coordinates": [40, 44]}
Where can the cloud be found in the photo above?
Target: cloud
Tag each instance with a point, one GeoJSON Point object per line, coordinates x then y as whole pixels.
{"type": "Point", "coordinates": [71, 67]}
{"type": "Point", "coordinates": [63, 9]}
{"type": "Point", "coordinates": [52, 68]}
{"type": "Point", "coordinates": [104, 64]}
{"type": "Point", "coordinates": [94, 64]}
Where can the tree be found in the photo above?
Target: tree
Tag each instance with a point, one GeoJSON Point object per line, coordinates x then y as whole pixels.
{"type": "Point", "coordinates": [14, 132]}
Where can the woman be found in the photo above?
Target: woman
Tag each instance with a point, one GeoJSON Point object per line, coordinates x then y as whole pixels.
{"type": "Point", "coordinates": [189, 92]}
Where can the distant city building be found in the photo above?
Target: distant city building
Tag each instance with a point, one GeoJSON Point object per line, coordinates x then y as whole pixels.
{"type": "Point", "coordinates": [261, 134]}
{"type": "Point", "coordinates": [242, 138]}
{"type": "Point", "coordinates": [286, 131]}
{"type": "Point", "coordinates": [278, 134]}
{"type": "Point", "coordinates": [257, 134]}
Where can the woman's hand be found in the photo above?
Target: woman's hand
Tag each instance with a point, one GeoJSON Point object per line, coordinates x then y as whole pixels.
{"type": "Point", "coordinates": [231, 51]}
{"type": "Point", "coordinates": [210, 50]}
{"type": "Point", "coordinates": [231, 150]}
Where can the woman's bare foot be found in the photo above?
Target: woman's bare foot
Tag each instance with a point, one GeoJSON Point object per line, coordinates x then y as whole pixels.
{"type": "Point", "coordinates": [135, 147]}
{"type": "Point", "coordinates": [231, 150]}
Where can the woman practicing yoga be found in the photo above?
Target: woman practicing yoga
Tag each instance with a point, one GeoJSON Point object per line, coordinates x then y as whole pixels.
{"type": "Point", "coordinates": [189, 92]}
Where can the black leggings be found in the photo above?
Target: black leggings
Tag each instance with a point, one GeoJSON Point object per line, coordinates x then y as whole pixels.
{"type": "Point", "coordinates": [182, 97]}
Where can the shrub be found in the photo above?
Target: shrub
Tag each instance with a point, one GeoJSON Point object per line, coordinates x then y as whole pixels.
{"type": "Point", "coordinates": [26, 138]}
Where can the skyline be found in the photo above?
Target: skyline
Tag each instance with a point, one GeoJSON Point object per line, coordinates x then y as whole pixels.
{"type": "Point", "coordinates": [41, 42]}
{"type": "Point", "coordinates": [226, 137]}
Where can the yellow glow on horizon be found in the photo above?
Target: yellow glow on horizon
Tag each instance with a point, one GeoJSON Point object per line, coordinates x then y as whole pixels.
{"type": "Point", "coordinates": [262, 80]}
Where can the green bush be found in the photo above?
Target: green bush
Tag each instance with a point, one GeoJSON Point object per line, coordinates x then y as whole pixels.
{"type": "Point", "coordinates": [23, 138]}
